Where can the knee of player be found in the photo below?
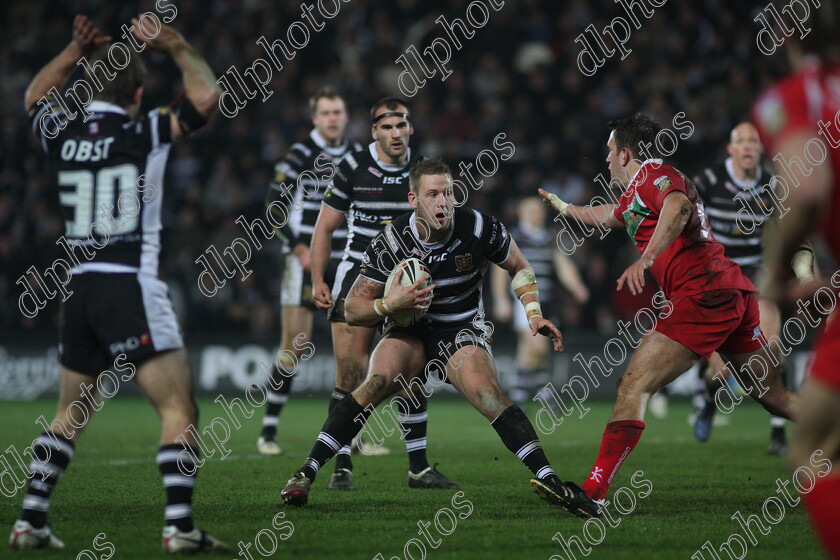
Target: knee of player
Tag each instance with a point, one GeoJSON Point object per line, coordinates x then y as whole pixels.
{"type": "Point", "coordinates": [374, 387]}
{"type": "Point", "coordinates": [630, 384]}
{"type": "Point", "coordinates": [492, 400]}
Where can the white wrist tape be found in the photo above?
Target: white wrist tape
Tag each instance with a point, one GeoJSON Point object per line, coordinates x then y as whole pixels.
{"type": "Point", "coordinates": [532, 310]}
{"type": "Point", "coordinates": [524, 283]}
{"type": "Point", "coordinates": [557, 204]}
{"type": "Point", "coordinates": [803, 265]}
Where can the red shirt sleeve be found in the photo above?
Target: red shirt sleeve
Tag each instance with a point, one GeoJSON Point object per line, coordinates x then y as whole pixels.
{"type": "Point", "coordinates": [658, 184]}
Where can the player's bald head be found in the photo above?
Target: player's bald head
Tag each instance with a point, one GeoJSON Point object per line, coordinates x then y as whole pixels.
{"type": "Point", "coordinates": [745, 147]}
{"type": "Point", "coordinates": [743, 130]}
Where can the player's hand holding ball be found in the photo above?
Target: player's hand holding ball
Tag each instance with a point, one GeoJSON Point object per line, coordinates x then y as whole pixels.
{"type": "Point", "coordinates": [408, 301]}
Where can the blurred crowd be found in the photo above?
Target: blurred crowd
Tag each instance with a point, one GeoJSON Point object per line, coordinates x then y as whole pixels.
{"type": "Point", "coordinates": [517, 76]}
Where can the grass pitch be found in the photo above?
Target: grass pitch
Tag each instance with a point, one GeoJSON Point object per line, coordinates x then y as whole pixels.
{"type": "Point", "coordinates": [113, 488]}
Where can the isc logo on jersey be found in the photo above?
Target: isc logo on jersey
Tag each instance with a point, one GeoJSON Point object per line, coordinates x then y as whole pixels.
{"type": "Point", "coordinates": [86, 150]}
{"type": "Point", "coordinates": [392, 180]}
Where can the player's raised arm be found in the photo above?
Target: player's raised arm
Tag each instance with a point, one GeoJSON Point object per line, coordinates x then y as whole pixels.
{"type": "Point", "coordinates": [524, 284]}
{"type": "Point", "coordinates": [600, 215]}
{"type": "Point", "coordinates": [57, 71]}
{"type": "Point", "coordinates": [201, 91]}
{"type": "Point", "coordinates": [676, 211]}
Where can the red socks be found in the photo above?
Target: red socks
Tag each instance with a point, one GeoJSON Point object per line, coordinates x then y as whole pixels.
{"type": "Point", "coordinates": [822, 503]}
{"type": "Point", "coordinates": [619, 440]}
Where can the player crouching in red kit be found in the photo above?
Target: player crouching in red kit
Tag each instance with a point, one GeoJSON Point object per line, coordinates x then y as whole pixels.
{"type": "Point", "coordinates": [715, 307]}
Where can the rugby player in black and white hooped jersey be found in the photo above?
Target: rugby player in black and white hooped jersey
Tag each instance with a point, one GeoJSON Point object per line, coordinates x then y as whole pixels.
{"type": "Point", "coordinates": [457, 245]}
{"type": "Point", "coordinates": [738, 198]}
{"type": "Point", "coordinates": [299, 184]}
{"type": "Point", "coordinates": [369, 190]}
{"type": "Point", "coordinates": [119, 315]}
{"type": "Point", "coordinates": [539, 246]}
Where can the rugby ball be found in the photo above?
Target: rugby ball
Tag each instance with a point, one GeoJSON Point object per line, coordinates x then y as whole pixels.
{"type": "Point", "coordinates": [412, 269]}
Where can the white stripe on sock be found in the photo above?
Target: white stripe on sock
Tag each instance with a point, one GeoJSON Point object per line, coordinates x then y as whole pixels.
{"type": "Point", "coordinates": [415, 444]}
{"type": "Point", "coordinates": [413, 418]}
{"type": "Point", "coordinates": [178, 480]}
{"type": "Point", "coordinates": [527, 449]}
{"type": "Point", "coordinates": [36, 503]}
{"type": "Point", "coordinates": [329, 441]}
{"type": "Point", "coordinates": [276, 398]}
{"type": "Point", "coordinates": [177, 511]}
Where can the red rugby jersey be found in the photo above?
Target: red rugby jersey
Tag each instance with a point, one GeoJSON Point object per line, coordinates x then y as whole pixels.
{"type": "Point", "coordinates": [694, 262]}
{"type": "Point", "coordinates": [807, 101]}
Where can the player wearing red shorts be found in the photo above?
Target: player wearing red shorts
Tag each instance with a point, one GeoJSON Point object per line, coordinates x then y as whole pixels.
{"type": "Point", "coordinates": [799, 121]}
{"type": "Point", "coordinates": [714, 306]}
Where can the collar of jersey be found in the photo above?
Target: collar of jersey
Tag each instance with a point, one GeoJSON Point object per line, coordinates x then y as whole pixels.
{"type": "Point", "coordinates": [389, 167]}
{"type": "Point", "coordinates": [746, 185]}
{"type": "Point", "coordinates": [99, 106]}
{"type": "Point", "coordinates": [412, 221]}
{"type": "Point", "coordinates": [321, 143]}
{"type": "Point", "coordinates": [647, 161]}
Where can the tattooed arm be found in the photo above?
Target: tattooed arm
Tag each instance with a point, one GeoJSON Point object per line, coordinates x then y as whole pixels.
{"type": "Point", "coordinates": [359, 306]}
{"type": "Point", "coordinates": [366, 307]}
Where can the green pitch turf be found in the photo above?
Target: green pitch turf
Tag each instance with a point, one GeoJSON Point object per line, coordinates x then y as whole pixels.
{"type": "Point", "coordinates": [113, 488]}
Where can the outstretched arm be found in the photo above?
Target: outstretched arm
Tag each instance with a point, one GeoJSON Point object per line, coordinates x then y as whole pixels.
{"type": "Point", "coordinates": [57, 71]}
{"type": "Point", "coordinates": [676, 210]}
{"type": "Point", "coordinates": [596, 216]}
{"type": "Point", "coordinates": [525, 287]}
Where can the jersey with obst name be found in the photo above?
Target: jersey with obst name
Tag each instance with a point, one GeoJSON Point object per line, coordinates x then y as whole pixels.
{"type": "Point", "coordinates": [457, 264]}
{"type": "Point", "coordinates": [694, 262]}
{"type": "Point", "coordinates": [737, 210]}
{"type": "Point", "coordinates": [370, 196]}
{"type": "Point", "coordinates": [108, 174]}
{"type": "Point", "coordinates": [300, 182]}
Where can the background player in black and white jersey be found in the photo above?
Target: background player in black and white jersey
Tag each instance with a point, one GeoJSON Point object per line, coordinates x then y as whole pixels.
{"type": "Point", "coordinates": [539, 246]}
{"type": "Point", "coordinates": [119, 315]}
{"type": "Point", "coordinates": [738, 200]}
{"type": "Point", "coordinates": [457, 245]}
{"type": "Point", "coordinates": [300, 181]}
{"type": "Point", "coordinates": [369, 189]}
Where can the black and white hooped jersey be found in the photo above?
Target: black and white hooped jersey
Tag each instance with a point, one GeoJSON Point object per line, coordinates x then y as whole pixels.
{"type": "Point", "coordinates": [735, 207]}
{"type": "Point", "coordinates": [108, 173]}
{"type": "Point", "coordinates": [300, 182]}
{"type": "Point", "coordinates": [539, 248]}
{"type": "Point", "coordinates": [371, 194]}
{"type": "Point", "coordinates": [457, 264]}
